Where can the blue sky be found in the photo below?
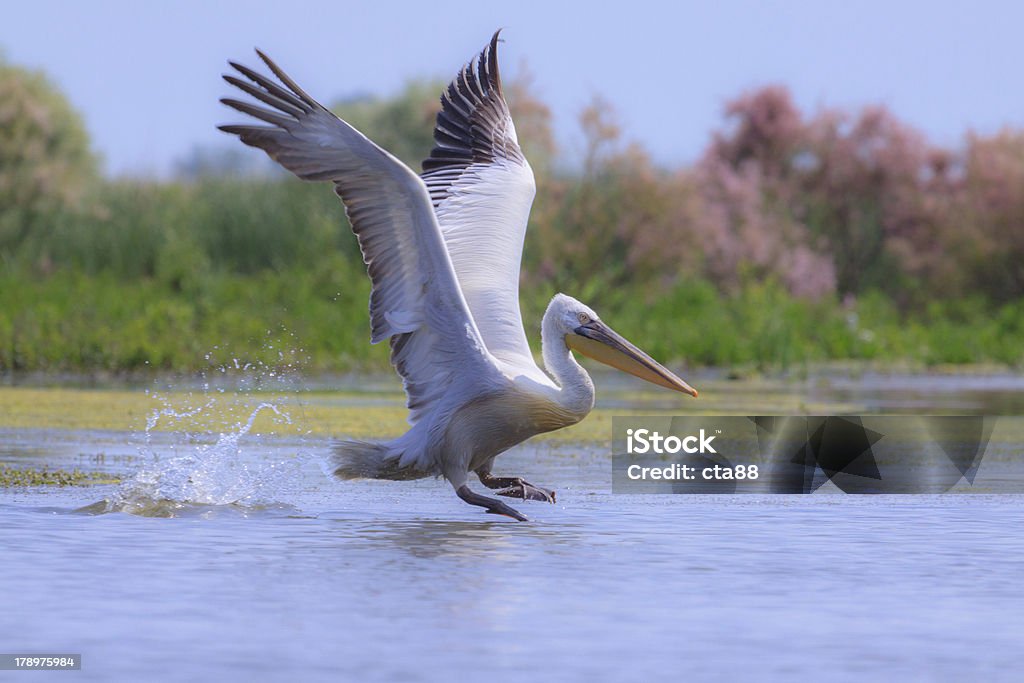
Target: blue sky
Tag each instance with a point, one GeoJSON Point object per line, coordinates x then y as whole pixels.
{"type": "Point", "coordinates": [146, 76]}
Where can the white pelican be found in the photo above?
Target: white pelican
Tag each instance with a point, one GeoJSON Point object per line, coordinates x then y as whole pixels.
{"type": "Point", "coordinates": [443, 251]}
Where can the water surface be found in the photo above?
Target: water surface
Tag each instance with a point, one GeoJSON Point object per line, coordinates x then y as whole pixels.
{"type": "Point", "coordinates": [232, 557]}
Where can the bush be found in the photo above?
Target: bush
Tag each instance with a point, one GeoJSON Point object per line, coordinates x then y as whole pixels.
{"type": "Point", "coordinates": [46, 166]}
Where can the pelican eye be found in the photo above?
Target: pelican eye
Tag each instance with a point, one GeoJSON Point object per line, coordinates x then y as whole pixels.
{"type": "Point", "coordinates": [583, 318]}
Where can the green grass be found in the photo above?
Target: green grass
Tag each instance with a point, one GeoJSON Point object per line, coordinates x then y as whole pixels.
{"type": "Point", "coordinates": [315, 319]}
{"type": "Point", "coordinates": [359, 415]}
{"type": "Point", "coordinates": [73, 321]}
{"type": "Point", "coordinates": [310, 413]}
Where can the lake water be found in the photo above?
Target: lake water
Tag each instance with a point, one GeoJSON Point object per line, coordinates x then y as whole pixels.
{"type": "Point", "coordinates": [309, 579]}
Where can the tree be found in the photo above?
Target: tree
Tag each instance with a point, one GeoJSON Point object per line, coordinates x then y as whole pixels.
{"type": "Point", "coordinates": [46, 165]}
{"type": "Point", "coordinates": [987, 232]}
{"type": "Point", "coordinates": [865, 191]}
{"type": "Point", "coordinates": [838, 201]}
{"type": "Point", "coordinates": [750, 224]}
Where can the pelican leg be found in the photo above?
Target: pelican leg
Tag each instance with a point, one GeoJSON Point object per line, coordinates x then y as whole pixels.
{"type": "Point", "coordinates": [493, 505]}
{"type": "Point", "coordinates": [514, 487]}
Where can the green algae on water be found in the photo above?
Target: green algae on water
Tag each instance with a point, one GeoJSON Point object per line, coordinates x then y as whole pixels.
{"type": "Point", "coordinates": [33, 476]}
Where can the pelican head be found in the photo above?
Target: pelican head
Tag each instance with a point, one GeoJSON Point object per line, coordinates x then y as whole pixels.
{"type": "Point", "coordinates": [586, 333]}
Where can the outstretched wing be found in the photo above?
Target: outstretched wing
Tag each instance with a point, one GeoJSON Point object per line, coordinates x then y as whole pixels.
{"type": "Point", "coordinates": [482, 188]}
{"type": "Point", "coordinates": [415, 301]}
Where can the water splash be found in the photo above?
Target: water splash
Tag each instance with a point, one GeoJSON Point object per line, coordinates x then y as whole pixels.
{"type": "Point", "coordinates": [213, 458]}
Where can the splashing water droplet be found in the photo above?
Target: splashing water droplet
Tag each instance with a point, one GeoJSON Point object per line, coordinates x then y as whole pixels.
{"type": "Point", "coordinates": [225, 465]}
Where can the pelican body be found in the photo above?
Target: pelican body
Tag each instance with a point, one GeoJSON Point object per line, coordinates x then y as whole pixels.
{"type": "Point", "coordinates": [442, 250]}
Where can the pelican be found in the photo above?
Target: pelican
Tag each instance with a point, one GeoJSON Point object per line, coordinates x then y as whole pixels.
{"type": "Point", "coordinates": [443, 250]}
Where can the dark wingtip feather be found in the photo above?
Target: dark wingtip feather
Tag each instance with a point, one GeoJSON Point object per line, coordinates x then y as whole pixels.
{"type": "Point", "coordinates": [470, 126]}
{"type": "Point", "coordinates": [273, 117]}
{"type": "Point", "coordinates": [492, 61]}
{"type": "Point", "coordinates": [237, 129]}
{"type": "Point", "coordinates": [284, 78]}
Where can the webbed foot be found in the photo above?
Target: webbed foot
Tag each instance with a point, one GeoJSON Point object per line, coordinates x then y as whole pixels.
{"type": "Point", "coordinates": [527, 491]}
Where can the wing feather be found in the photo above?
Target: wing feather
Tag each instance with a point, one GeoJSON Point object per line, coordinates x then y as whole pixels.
{"type": "Point", "coordinates": [416, 300]}
{"type": "Point", "coordinates": [482, 189]}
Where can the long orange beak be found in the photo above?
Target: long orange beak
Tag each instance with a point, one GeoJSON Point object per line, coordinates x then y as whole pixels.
{"type": "Point", "coordinates": [600, 342]}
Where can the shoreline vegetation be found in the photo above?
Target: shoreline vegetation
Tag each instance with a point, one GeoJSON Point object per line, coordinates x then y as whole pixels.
{"type": "Point", "coordinates": [374, 406]}
{"type": "Point", "coordinates": [74, 322]}
{"type": "Point", "coordinates": [312, 414]}
{"type": "Point", "coordinates": [796, 239]}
